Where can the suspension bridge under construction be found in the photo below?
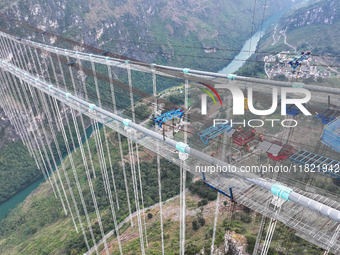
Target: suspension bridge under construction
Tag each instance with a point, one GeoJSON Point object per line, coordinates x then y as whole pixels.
{"type": "Point", "coordinates": [45, 89]}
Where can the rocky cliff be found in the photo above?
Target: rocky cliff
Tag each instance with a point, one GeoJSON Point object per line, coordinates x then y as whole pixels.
{"type": "Point", "coordinates": [321, 13]}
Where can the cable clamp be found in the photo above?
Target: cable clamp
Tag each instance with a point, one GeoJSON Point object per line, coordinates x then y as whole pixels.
{"type": "Point", "coordinates": [127, 127]}
{"type": "Point", "coordinates": [183, 155]}
{"type": "Point", "coordinates": [126, 122]}
{"type": "Point", "coordinates": [297, 85]}
{"type": "Point", "coordinates": [91, 108]}
{"type": "Point", "coordinates": [181, 147]}
{"type": "Point", "coordinates": [281, 191]}
{"type": "Point", "coordinates": [186, 70]}
{"type": "Point", "coordinates": [68, 97]}
{"type": "Point", "coordinates": [231, 76]}
{"type": "Point", "coordinates": [49, 87]}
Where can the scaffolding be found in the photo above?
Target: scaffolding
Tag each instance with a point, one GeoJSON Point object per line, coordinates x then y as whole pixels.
{"type": "Point", "coordinates": [317, 163]}
{"type": "Point", "coordinates": [244, 136]}
{"type": "Point", "coordinates": [210, 133]}
{"type": "Point", "coordinates": [331, 135]}
{"type": "Point", "coordinates": [328, 116]}
{"type": "Point", "coordinates": [170, 115]}
{"type": "Point", "coordinates": [293, 110]}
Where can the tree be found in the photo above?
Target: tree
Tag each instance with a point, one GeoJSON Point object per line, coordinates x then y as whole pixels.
{"type": "Point", "coordinates": [201, 221]}
{"type": "Point", "coordinates": [211, 232]}
{"type": "Point", "coordinates": [142, 111]}
{"type": "Point", "coordinates": [192, 249]}
{"type": "Point", "coordinates": [251, 69]}
{"type": "Point", "coordinates": [149, 215]}
{"type": "Point", "coordinates": [251, 240]}
{"type": "Point", "coordinates": [309, 80]}
{"type": "Point", "coordinates": [176, 99]}
{"type": "Point", "coordinates": [202, 190]}
{"type": "Point", "coordinates": [272, 251]}
{"type": "Point", "coordinates": [246, 209]}
{"type": "Point", "coordinates": [280, 77]}
{"type": "Point", "coordinates": [74, 252]}
{"type": "Point", "coordinates": [319, 79]}
{"type": "Point", "coordinates": [202, 202]}
{"type": "Point", "coordinates": [195, 225]}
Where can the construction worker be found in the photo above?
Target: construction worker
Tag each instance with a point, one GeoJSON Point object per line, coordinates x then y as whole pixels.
{"type": "Point", "coordinates": [261, 137]}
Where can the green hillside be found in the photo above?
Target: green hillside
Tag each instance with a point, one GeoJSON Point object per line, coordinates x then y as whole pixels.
{"type": "Point", "coordinates": [17, 170]}
{"type": "Point", "coordinates": [39, 225]}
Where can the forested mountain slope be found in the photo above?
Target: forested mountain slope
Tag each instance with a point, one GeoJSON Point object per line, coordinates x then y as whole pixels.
{"type": "Point", "coordinates": [313, 26]}
{"type": "Point", "coordinates": [39, 225]}
{"type": "Point", "coordinates": [125, 26]}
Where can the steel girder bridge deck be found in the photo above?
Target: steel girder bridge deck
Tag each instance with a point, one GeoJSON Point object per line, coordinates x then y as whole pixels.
{"type": "Point", "coordinates": [247, 190]}
{"type": "Point", "coordinates": [316, 224]}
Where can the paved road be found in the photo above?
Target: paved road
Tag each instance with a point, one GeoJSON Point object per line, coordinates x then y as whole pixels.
{"type": "Point", "coordinates": [285, 40]}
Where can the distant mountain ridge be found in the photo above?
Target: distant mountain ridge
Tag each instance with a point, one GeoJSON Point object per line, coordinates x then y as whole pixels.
{"type": "Point", "coordinates": [114, 24]}
{"type": "Point", "coordinates": [314, 26]}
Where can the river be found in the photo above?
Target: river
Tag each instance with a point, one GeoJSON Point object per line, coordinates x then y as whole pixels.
{"type": "Point", "coordinates": [250, 45]}
{"type": "Point", "coordinates": [11, 203]}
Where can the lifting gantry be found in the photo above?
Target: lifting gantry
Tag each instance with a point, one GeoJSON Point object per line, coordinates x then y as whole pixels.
{"type": "Point", "coordinates": [296, 61]}
{"type": "Point", "coordinates": [210, 133]}
{"type": "Point", "coordinates": [170, 115]}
